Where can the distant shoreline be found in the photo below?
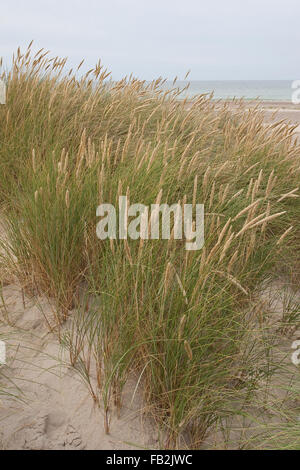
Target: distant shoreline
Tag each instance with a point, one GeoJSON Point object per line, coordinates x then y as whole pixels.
{"type": "Point", "coordinates": [276, 104]}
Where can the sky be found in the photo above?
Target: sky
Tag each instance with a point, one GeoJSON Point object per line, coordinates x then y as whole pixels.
{"type": "Point", "coordinates": [215, 39]}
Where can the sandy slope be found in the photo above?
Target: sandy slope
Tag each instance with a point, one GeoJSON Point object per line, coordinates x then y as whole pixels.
{"type": "Point", "coordinates": [266, 415]}
{"type": "Point", "coordinates": [58, 412]}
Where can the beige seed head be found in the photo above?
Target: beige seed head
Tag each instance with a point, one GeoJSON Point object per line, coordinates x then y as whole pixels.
{"type": "Point", "coordinates": [233, 280]}
{"type": "Point", "coordinates": [232, 261]}
{"type": "Point", "coordinates": [33, 161]}
{"type": "Point", "coordinates": [280, 240]}
{"type": "Point", "coordinates": [195, 190]}
{"type": "Point", "coordinates": [188, 350]}
{"type": "Point", "coordinates": [249, 188]}
{"type": "Point", "coordinates": [268, 211]}
{"type": "Point", "coordinates": [181, 327]}
{"type": "Point", "coordinates": [67, 199]}
{"type": "Point", "coordinates": [289, 194]}
{"type": "Point", "coordinates": [181, 287]}
{"type": "Point", "coordinates": [167, 274]}
{"type": "Point", "coordinates": [266, 219]}
{"type": "Point", "coordinates": [270, 183]}
{"type": "Point", "coordinates": [128, 252]}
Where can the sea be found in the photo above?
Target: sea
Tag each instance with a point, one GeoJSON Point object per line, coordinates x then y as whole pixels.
{"type": "Point", "coordinates": [266, 90]}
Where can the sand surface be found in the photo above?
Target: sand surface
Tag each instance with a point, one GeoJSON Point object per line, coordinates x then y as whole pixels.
{"type": "Point", "coordinates": [55, 410]}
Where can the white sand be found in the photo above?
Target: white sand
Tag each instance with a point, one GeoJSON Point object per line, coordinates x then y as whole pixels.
{"type": "Point", "coordinates": [58, 412]}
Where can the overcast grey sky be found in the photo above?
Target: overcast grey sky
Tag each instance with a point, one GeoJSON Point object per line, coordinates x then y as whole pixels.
{"type": "Point", "coordinates": [216, 39]}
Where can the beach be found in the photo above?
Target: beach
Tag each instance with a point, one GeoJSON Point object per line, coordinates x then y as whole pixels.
{"type": "Point", "coordinates": [283, 110]}
{"type": "Point", "coordinates": [275, 111]}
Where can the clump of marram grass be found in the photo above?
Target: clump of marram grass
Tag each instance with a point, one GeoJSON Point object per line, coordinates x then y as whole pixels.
{"type": "Point", "coordinates": [176, 318]}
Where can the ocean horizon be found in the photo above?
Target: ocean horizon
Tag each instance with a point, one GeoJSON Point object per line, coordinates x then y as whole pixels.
{"type": "Point", "coordinates": [269, 90]}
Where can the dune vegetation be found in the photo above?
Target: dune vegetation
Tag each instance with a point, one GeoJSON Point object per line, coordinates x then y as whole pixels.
{"type": "Point", "coordinates": [190, 326]}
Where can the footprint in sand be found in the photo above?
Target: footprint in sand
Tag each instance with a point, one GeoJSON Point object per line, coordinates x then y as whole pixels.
{"type": "Point", "coordinates": [51, 432]}
{"type": "Point", "coordinates": [73, 439]}
{"type": "Point", "coordinates": [35, 435]}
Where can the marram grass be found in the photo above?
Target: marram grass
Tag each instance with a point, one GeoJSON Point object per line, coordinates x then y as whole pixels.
{"type": "Point", "coordinates": [178, 320]}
